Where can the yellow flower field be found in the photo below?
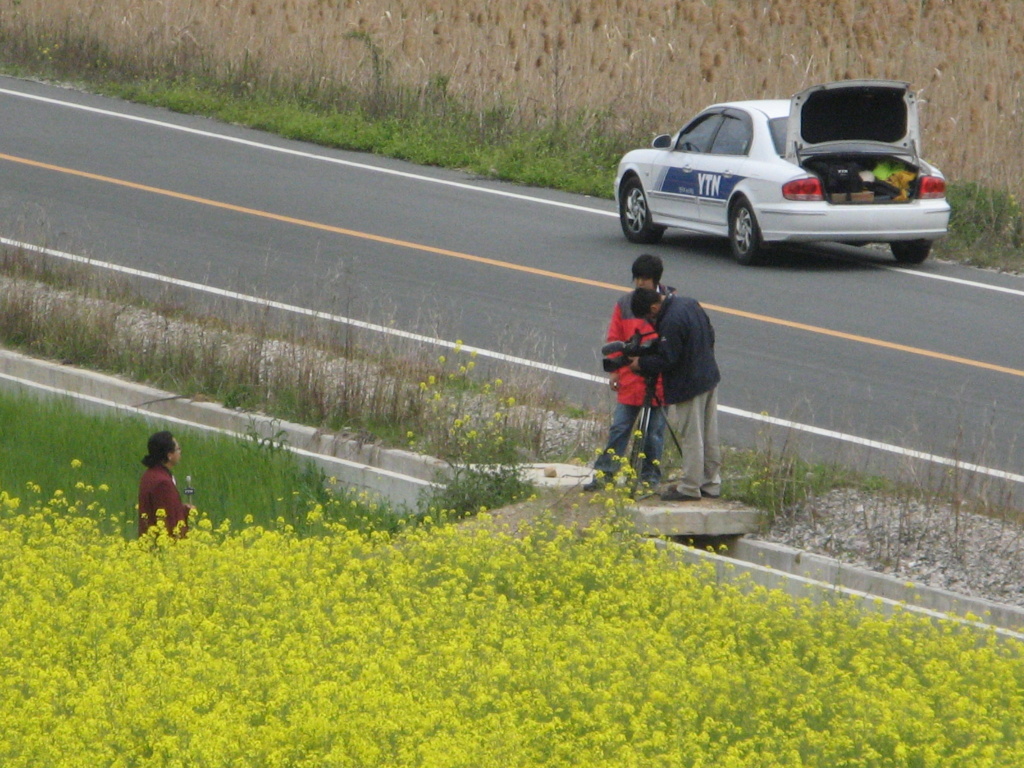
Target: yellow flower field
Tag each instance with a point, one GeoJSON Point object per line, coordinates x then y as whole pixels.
{"type": "Point", "coordinates": [459, 646]}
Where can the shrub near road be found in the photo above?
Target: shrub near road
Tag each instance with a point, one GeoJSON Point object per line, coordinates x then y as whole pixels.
{"type": "Point", "coordinates": [460, 646]}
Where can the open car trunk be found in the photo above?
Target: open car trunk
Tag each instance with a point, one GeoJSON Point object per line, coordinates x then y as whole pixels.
{"type": "Point", "coordinates": [860, 137]}
{"type": "Point", "coordinates": [865, 178]}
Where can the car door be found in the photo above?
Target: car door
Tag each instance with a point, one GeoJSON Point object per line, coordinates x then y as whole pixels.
{"type": "Point", "coordinates": [720, 169]}
{"type": "Point", "coordinates": [677, 189]}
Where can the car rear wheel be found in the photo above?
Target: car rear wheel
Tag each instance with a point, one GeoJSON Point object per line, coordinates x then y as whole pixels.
{"type": "Point", "coordinates": [635, 216]}
{"type": "Point", "coordinates": [745, 235]}
{"type": "Point", "coordinates": [911, 251]}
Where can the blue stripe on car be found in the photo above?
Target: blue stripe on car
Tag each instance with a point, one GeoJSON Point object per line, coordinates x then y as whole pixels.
{"type": "Point", "coordinates": [679, 182]}
{"type": "Point", "coordinates": [708, 186]}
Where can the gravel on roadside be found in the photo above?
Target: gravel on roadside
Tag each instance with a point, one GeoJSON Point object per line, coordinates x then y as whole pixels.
{"type": "Point", "coordinates": [930, 543]}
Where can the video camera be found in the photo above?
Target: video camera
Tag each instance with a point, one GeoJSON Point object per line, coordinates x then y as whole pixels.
{"type": "Point", "coordinates": [617, 353]}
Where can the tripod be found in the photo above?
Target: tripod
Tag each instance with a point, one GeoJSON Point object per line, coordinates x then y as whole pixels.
{"type": "Point", "coordinates": [637, 456]}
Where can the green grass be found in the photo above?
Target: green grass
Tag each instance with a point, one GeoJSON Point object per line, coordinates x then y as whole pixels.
{"type": "Point", "coordinates": [241, 481]}
{"type": "Point", "coordinates": [986, 225]}
{"type": "Point", "coordinates": [576, 156]}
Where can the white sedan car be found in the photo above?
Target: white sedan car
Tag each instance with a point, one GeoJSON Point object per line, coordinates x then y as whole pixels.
{"type": "Point", "coordinates": [838, 162]}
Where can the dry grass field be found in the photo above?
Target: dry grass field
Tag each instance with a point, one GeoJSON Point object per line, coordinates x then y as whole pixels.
{"type": "Point", "coordinates": [641, 67]}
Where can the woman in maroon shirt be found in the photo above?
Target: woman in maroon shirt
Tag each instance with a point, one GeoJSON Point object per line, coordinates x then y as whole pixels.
{"type": "Point", "coordinates": [157, 489]}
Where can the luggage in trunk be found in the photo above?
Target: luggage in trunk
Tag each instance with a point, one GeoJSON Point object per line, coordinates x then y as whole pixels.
{"type": "Point", "coordinates": [868, 179]}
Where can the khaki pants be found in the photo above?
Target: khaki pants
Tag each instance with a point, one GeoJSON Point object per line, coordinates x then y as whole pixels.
{"type": "Point", "coordinates": [696, 427]}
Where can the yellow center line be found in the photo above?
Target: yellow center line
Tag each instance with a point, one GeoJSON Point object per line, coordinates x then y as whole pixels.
{"type": "Point", "coordinates": [309, 224]}
{"type": "Point", "coordinates": [867, 340]}
{"type": "Point", "coordinates": [506, 265]}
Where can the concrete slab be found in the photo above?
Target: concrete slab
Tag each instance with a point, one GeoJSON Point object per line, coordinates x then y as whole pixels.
{"type": "Point", "coordinates": [556, 475]}
{"type": "Point", "coordinates": [653, 517]}
{"type": "Point", "coordinates": [707, 517]}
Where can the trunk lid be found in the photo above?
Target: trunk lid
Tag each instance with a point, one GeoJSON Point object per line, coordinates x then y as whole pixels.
{"type": "Point", "coordinates": [851, 117]}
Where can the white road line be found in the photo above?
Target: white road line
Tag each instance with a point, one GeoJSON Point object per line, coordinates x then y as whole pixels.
{"type": "Point", "coordinates": [867, 443]}
{"type": "Point", "coordinates": [308, 155]}
{"type": "Point", "coordinates": [268, 303]}
{"type": "Point", "coordinates": [957, 280]}
{"type": "Point", "coordinates": [446, 344]}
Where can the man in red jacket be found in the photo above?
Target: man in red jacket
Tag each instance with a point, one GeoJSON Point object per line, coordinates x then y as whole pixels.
{"type": "Point", "coordinates": [158, 490]}
{"type": "Point", "coordinates": [631, 387]}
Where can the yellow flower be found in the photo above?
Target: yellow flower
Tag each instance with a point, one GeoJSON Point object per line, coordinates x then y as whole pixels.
{"type": "Point", "coordinates": [75, 463]}
{"type": "Point", "coordinates": [593, 647]}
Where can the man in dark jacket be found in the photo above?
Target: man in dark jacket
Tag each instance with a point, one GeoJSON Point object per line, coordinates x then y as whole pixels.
{"type": "Point", "coordinates": [685, 358]}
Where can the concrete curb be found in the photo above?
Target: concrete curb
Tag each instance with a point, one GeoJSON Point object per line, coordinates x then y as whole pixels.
{"type": "Point", "coordinates": [802, 587]}
{"type": "Point", "coordinates": [397, 475]}
{"type": "Point", "coordinates": [834, 574]}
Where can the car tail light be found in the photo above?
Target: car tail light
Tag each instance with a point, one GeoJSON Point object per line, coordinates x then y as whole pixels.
{"type": "Point", "coordinates": [803, 189]}
{"type": "Point", "coordinates": [931, 187]}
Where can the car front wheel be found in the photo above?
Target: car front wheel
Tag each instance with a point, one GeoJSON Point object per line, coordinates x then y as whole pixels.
{"type": "Point", "coordinates": [745, 235]}
{"type": "Point", "coordinates": [911, 251]}
{"type": "Point", "coordinates": [635, 216]}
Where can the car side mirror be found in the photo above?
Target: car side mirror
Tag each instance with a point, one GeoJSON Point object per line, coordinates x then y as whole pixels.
{"type": "Point", "coordinates": [662, 142]}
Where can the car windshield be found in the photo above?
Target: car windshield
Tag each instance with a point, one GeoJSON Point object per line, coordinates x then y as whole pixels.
{"type": "Point", "coordinates": [777, 126]}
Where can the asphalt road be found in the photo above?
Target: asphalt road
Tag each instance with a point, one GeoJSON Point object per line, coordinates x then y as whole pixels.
{"type": "Point", "coordinates": [833, 349]}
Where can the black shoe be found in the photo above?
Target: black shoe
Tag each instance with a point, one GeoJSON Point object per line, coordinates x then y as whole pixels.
{"type": "Point", "coordinates": [596, 484]}
{"type": "Point", "coordinates": [674, 495]}
{"type": "Point", "coordinates": [706, 495]}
